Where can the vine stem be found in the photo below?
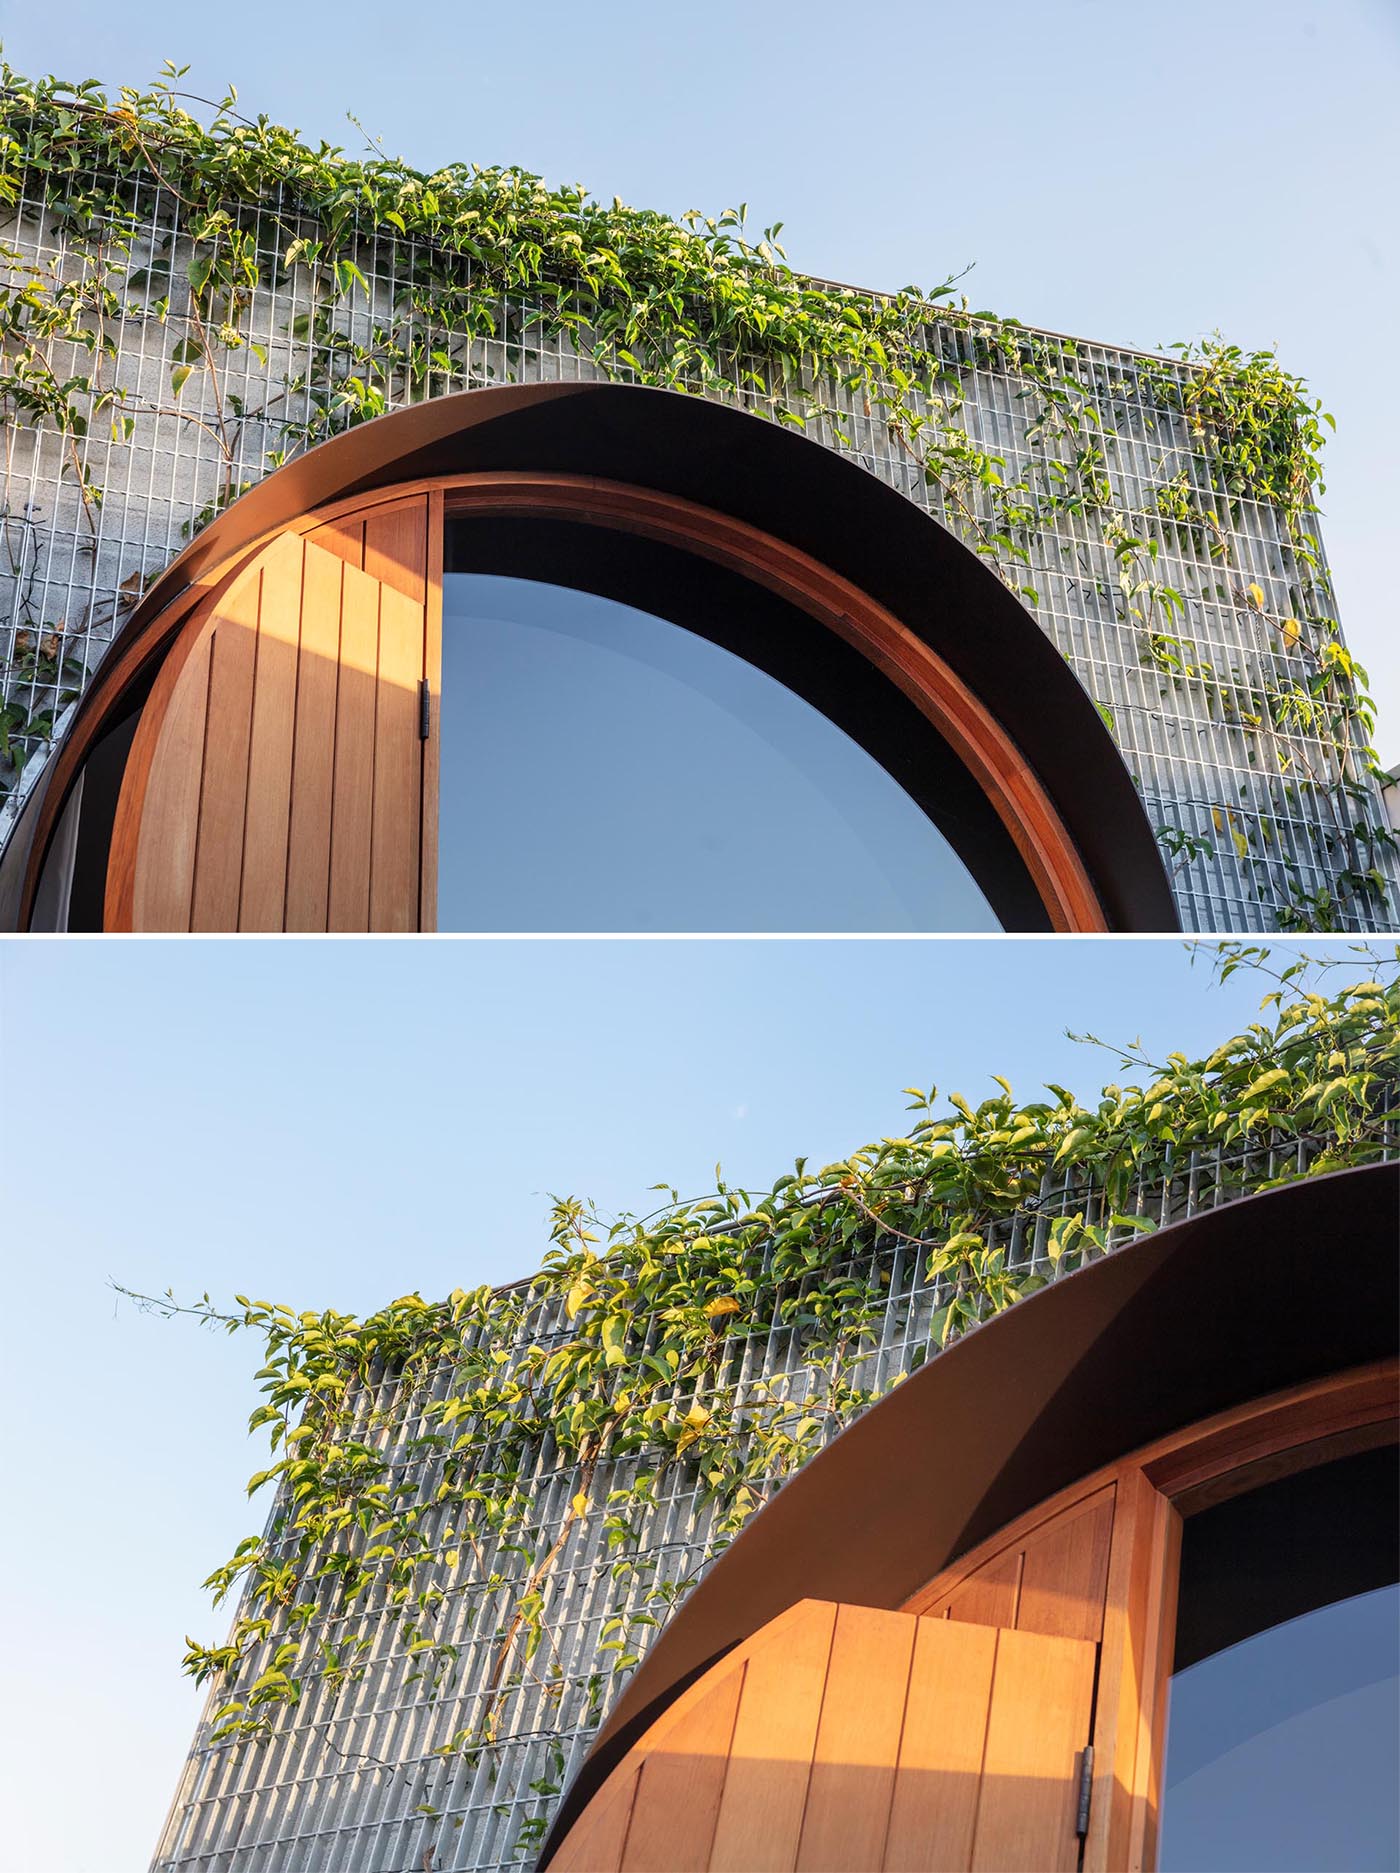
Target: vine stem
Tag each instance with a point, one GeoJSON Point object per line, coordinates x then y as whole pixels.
{"type": "Point", "coordinates": [541, 1568]}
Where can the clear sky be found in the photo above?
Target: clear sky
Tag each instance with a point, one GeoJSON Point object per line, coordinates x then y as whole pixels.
{"type": "Point", "coordinates": [1121, 171]}
{"type": "Point", "coordinates": [333, 1124]}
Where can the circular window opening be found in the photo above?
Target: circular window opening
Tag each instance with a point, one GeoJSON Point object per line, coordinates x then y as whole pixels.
{"type": "Point", "coordinates": [1283, 1727]}
{"type": "Point", "coordinates": [634, 738]}
{"type": "Point", "coordinates": [604, 769]}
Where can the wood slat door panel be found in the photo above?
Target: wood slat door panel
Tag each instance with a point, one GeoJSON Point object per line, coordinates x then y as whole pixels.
{"type": "Point", "coordinates": [352, 787]}
{"type": "Point", "coordinates": [396, 547]}
{"type": "Point", "coordinates": [313, 743]}
{"type": "Point", "coordinates": [857, 1749]}
{"type": "Point", "coordinates": [775, 1739]}
{"type": "Point", "coordinates": [596, 1844]}
{"type": "Point", "coordinates": [1037, 1726]}
{"type": "Point", "coordinates": [277, 778]}
{"type": "Point", "coordinates": [344, 538]}
{"type": "Point", "coordinates": [272, 738]}
{"type": "Point", "coordinates": [682, 1780]}
{"type": "Point", "coordinates": [1064, 1575]}
{"type": "Point", "coordinates": [989, 1597]}
{"type": "Point", "coordinates": [856, 1740]}
{"type": "Point", "coordinates": [1051, 1577]}
{"type": "Point", "coordinates": [163, 892]}
{"type": "Point", "coordinates": [933, 1816]}
{"type": "Point", "coordinates": [221, 783]}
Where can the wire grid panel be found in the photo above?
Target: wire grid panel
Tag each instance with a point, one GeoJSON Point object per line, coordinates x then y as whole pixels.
{"type": "Point", "coordinates": [88, 519]}
{"type": "Point", "coordinates": [366, 1778]}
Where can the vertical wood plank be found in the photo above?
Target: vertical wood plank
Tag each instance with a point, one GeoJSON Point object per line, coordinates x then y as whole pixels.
{"type": "Point", "coordinates": [313, 759]}
{"type": "Point", "coordinates": [848, 1798]}
{"type": "Point", "coordinates": [396, 547]}
{"type": "Point", "coordinates": [163, 857]}
{"type": "Point", "coordinates": [682, 1780]}
{"type": "Point", "coordinates": [344, 538]}
{"type": "Point", "coordinates": [218, 862]}
{"type": "Point", "coordinates": [432, 748]}
{"type": "Point", "coordinates": [263, 890]}
{"type": "Point", "coordinates": [775, 1737]}
{"type": "Point", "coordinates": [352, 786]}
{"type": "Point", "coordinates": [398, 765]}
{"type": "Point", "coordinates": [934, 1811]}
{"type": "Point", "coordinates": [1065, 1573]}
{"type": "Point", "coordinates": [990, 1596]}
{"type": "Point", "coordinates": [1038, 1726]}
{"type": "Point", "coordinates": [595, 1842]}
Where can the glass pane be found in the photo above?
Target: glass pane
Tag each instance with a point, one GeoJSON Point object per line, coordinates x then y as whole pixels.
{"type": "Point", "coordinates": [1282, 1750]}
{"type": "Point", "coordinates": [603, 769]}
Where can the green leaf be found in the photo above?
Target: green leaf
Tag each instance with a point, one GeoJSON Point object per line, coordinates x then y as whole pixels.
{"type": "Point", "coordinates": [614, 1336]}
{"type": "Point", "coordinates": [579, 1295]}
{"type": "Point", "coordinates": [1265, 1084]}
{"type": "Point", "coordinates": [1073, 1142]}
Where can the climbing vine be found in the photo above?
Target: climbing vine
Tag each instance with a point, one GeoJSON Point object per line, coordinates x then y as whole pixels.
{"type": "Point", "coordinates": [279, 291]}
{"type": "Point", "coordinates": [437, 1465]}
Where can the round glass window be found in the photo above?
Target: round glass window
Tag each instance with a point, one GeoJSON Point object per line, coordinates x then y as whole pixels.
{"type": "Point", "coordinates": [1283, 1727]}
{"type": "Point", "coordinates": [605, 769]}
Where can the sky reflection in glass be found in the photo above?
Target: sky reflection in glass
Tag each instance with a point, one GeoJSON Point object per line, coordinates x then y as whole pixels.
{"type": "Point", "coordinates": [1282, 1750]}
{"type": "Point", "coordinates": [603, 769]}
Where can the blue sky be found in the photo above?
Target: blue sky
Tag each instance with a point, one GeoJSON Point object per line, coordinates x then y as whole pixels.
{"type": "Point", "coordinates": [338, 1123]}
{"type": "Point", "coordinates": [1121, 171]}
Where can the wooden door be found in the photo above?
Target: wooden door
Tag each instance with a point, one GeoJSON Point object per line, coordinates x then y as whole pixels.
{"type": "Point", "coordinates": [842, 1739]}
{"type": "Point", "coordinates": [1050, 1577]}
{"type": "Point", "coordinates": [279, 773]}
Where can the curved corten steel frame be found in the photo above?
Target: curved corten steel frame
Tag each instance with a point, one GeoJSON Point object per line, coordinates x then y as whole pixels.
{"type": "Point", "coordinates": [877, 573]}
{"type": "Point", "coordinates": [1034, 1477]}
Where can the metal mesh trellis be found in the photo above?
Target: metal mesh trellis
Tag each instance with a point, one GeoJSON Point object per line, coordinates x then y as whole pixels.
{"type": "Point", "coordinates": [1256, 814]}
{"type": "Point", "coordinates": [364, 1779]}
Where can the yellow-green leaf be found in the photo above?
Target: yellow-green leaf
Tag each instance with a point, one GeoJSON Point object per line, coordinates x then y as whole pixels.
{"type": "Point", "coordinates": [579, 1295]}
{"type": "Point", "coordinates": [1079, 1136]}
{"type": "Point", "coordinates": [614, 1334]}
{"type": "Point", "coordinates": [963, 1240]}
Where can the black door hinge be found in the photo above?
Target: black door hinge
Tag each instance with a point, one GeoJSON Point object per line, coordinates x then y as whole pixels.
{"type": "Point", "coordinates": [425, 709]}
{"type": "Point", "coordinates": [1086, 1785]}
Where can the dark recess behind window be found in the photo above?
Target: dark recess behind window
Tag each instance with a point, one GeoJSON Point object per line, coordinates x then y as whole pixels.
{"type": "Point", "coordinates": [1280, 1551]}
